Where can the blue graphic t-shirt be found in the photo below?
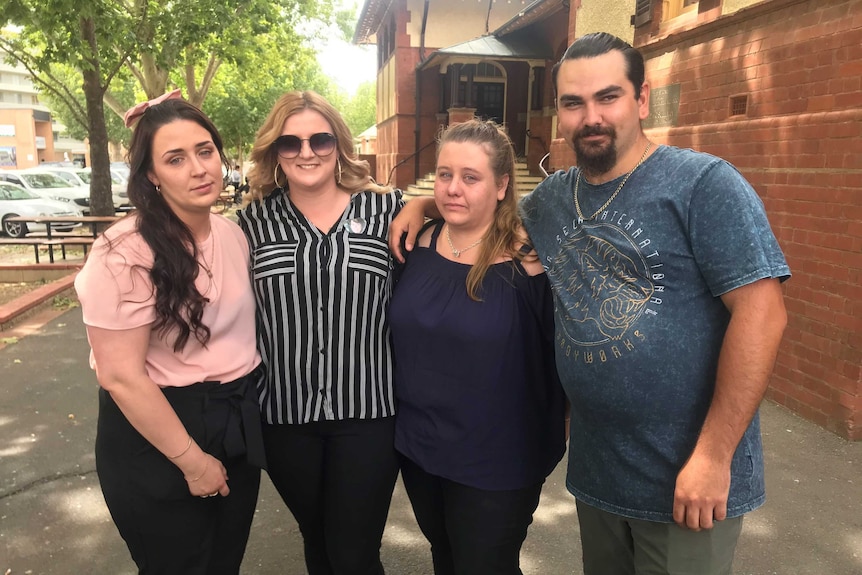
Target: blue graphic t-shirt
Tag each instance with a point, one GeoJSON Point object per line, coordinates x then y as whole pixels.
{"type": "Point", "coordinates": [639, 320]}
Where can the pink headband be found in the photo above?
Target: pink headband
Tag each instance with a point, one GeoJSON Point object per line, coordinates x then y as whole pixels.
{"type": "Point", "coordinates": [132, 114]}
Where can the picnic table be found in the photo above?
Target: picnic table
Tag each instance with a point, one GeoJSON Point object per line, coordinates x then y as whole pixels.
{"type": "Point", "coordinates": [51, 238]}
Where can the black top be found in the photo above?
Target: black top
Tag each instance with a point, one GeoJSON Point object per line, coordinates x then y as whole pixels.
{"type": "Point", "coordinates": [479, 400]}
{"type": "Point", "coordinates": [322, 298]}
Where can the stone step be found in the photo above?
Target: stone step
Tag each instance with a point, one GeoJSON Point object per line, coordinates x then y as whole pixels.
{"type": "Point", "coordinates": [413, 191]}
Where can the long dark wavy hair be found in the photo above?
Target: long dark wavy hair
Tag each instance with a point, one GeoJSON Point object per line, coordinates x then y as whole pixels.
{"type": "Point", "coordinates": [179, 305]}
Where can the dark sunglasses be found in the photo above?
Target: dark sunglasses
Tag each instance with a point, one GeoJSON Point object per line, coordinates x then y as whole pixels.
{"type": "Point", "coordinates": [289, 147]}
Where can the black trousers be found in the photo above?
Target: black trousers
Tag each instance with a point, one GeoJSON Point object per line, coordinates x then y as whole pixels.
{"type": "Point", "coordinates": [336, 477]}
{"type": "Point", "coordinates": [471, 531]}
{"type": "Point", "coordinates": [167, 530]}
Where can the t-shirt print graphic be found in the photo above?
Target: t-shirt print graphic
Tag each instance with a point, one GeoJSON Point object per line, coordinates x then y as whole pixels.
{"type": "Point", "coordinates": [602, 289]}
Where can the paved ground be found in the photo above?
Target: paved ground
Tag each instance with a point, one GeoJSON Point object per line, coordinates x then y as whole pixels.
{"type": "Point", "coordinates": [53, 519]}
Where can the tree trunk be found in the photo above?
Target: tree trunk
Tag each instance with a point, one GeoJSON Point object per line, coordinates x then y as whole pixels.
{"type": "Point", "coordinates": [101, 202]}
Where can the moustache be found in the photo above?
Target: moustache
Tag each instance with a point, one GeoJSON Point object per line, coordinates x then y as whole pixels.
{"type": "Point", "coordinates": [588, 131]}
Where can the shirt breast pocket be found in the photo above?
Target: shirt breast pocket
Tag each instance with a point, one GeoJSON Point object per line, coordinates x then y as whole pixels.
{"type": "Point", "coordinates": [274, 260]}
{"type": "Point", "coordinates": [369, 254]}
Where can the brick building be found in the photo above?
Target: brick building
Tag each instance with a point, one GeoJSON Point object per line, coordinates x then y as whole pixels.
{"type": "Point", "coordinates": [773, 86]}
{"type": "Point", "coordinates": [28, 134]}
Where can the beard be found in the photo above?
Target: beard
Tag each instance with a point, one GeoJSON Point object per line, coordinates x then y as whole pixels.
{"type": "Point", "coordinates": [595, 159]}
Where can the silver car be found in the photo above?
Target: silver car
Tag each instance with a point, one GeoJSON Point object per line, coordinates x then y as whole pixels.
{"type": "Point", "coordinates": [48, 186]}
{"type": "Point", "coordinates": [16, 201]}
{"type": "Point", "coordinates": [82, 176]}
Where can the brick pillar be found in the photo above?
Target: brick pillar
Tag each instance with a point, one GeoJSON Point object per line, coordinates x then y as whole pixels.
{"type": "Point", "coordinates": [461, 115]}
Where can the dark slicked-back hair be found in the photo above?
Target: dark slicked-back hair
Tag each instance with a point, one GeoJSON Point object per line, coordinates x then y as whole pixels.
{"type": "Point", "coordinates": [598, 43]}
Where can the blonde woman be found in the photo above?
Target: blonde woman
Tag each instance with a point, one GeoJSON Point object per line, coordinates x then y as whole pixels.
{"type": "Point", "coordinates": [480, 419]}
{"type": "Point", "coordinates": [318, 227]}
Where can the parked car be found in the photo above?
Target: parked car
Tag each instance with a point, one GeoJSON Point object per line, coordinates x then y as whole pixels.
{"type": "Point", "coordinates": [48, 186]}
{"type": "Point", "coordinates": [82, 176]}
{"type": "Point", "coordinates": [122, 169]}
{"type": "Point", "coordinates": [16, 201]}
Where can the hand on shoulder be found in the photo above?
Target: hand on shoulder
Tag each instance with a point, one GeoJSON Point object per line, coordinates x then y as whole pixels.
{"type": "Point", "coordinates": [531, 263]}
{"type": "Point", "coordinates": [529, 257]}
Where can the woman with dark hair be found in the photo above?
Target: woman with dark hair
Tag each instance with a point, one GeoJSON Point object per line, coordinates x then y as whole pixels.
{"type": "Point", "coordinates": [169, 312]}
{"type": "Point", "coordinates": [480, 421]}
{"type": "Point", "coordinates": [321, 273]}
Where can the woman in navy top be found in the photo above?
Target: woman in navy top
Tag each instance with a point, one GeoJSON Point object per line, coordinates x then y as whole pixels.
{"type": "Point", "coordinates": [480, 420]}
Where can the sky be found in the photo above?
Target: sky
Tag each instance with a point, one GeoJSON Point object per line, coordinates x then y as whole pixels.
{"type": "Point", "coordinates": [347, 64]}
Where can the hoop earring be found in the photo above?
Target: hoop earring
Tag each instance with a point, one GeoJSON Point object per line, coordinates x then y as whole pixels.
{"type": "Point", "coordinates": [275, 178]}
{"type": "Point", "coordinates": [338, 170]}
{"type": "Point", "coordinates": [158, 189]}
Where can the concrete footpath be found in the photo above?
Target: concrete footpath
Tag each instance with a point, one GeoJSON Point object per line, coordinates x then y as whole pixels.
{"type": "Point", "coordinates": [53, 519]}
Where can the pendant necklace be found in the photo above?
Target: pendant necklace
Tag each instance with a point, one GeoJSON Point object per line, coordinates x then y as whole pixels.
{"type": "Point", "coordinates": [457, 253]}
{"type": "Point", "coordinates": [207, 267]}
{"type": "Point", "coordinates": [581, 216]}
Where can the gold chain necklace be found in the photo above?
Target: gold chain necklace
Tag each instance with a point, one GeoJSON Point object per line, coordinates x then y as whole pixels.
{"type": "Point", "coordinates": [581, 216]}
{"type": "Point", "coordinates": [457, 253]}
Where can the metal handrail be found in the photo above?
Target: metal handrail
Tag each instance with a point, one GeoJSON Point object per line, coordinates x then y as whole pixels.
{"type": "Point", "coordinates": [410, 157]}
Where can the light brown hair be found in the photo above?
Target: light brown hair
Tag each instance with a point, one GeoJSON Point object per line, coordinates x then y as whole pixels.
{"type": "Point", "coordinates": [505, 235]}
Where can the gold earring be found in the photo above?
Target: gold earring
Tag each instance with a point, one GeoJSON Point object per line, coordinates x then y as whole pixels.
{"type": "Point", "coordinates": [275, 178]}
{"type": "Point", "coordinates": [338, 166]}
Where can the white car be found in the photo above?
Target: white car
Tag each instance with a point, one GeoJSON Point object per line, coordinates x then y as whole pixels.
{"type": "Point", "coordinates": [82, 176]}
{"type": "Point", "coordinates": [49, 186]}
{"type": "Point", "coordinates": [16, 201]}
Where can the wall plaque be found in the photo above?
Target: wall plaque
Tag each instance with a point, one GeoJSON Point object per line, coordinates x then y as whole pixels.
{"type": "Point", "coordinates": [663, 107]}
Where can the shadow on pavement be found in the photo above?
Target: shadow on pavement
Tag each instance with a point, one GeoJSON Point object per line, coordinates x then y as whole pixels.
{"type": "Point", "coordinates": [53, 519]}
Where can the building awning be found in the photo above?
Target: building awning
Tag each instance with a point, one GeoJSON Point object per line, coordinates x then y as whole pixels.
{"type": "Point", "coordinates": [535, 12]}
{"type": "Point", "coordinates": [373, 11]}
{"type": "Point", "coordinates": [369, 20]}
{"type": "Point", "coordinates": [510, 47]}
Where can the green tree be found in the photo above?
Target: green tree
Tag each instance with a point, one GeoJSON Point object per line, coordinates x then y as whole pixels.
{"type": "Point", "coordinates": [160, 42]}
{"type": "Point", "coordinates": [242, 96]}
{"type": "Point", "coordinates": [360, 110]}
{"type": "Point", "coordinates": [185, 42]}
{"type": "Point", "coordinates": [122, 86]}
{"type": "Point", "coordinates": [70, 32]}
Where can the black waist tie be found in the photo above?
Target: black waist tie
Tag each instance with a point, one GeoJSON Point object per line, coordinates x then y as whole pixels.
{"type": "Point", "coordinates": [231, 416]}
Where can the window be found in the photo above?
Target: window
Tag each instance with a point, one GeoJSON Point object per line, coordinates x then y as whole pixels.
{"type": "Point", "coordinates": [674, 8]}
{"type": "Point", "coordinates": [487, 70]}
{"type": "Point", "coordinates": [739, 105]}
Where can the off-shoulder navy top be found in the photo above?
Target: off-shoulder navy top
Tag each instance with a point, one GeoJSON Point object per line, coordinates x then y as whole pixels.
{"type": "Point", "coordinates": [478, 398]}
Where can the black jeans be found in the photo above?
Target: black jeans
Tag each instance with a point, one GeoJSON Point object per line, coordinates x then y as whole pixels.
{"type": "Point", "coordinates": [471, 531]}
{"type": "Point", "coordinates": [336, 477]}
{"type": "Point", "coordinates": [167, 530]}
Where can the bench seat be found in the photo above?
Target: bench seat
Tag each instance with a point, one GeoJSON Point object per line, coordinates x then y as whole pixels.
{"type": "Point", "coordinates": [38, 241]}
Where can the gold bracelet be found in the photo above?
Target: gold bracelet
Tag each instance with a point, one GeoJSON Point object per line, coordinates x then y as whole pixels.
{"type": "Point", "coordinates": [189, 446]}
{"type": "Point", "coordinates": [204, 472]}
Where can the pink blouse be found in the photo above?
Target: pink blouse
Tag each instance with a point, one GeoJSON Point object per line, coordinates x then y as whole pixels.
{"type": "Point", "coordinates": [117, 295]}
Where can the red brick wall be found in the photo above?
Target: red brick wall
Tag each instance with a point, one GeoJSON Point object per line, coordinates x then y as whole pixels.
{"type": "Point", "coordinates": [395, 135]}
{"type": "Point", "coordinates": [800, 145]}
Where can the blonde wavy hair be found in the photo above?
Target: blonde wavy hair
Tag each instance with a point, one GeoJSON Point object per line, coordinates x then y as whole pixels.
{"type": "Point", "coordinates": [506, 235]}
{"type": "Point", "coordinates": [355, 173]}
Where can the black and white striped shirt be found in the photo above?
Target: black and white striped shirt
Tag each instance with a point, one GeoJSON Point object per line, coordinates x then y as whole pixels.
{"type": "Point", "coordinates": [322, 305]}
